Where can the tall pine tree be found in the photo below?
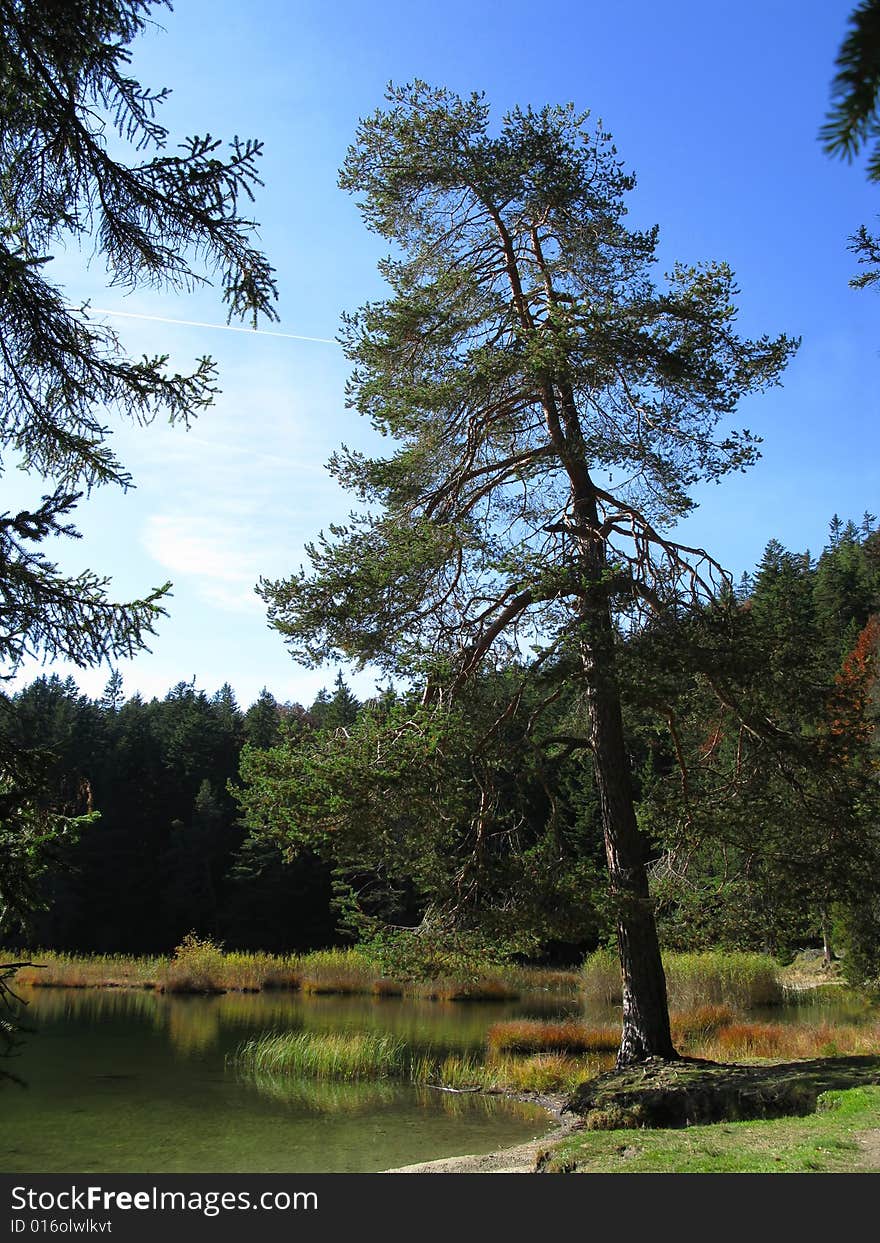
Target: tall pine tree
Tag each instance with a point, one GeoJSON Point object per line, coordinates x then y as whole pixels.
{"type": "Point", "coordinates": [550, 408]}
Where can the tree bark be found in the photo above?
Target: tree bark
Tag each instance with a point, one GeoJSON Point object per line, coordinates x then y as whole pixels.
{"type": "Point", "coordinates": [645, 1007]}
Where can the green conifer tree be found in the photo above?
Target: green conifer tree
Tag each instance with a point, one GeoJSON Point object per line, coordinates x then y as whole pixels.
{"type": "Point", "coordinates": [550, 408]}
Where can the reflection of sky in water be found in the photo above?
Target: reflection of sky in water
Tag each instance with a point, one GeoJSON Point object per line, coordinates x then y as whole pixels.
{"type": "Point", "coordinates": [134, 1081]}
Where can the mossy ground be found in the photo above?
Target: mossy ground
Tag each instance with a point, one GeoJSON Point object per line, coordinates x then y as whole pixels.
{"type": "Point", "coordinates": [842, 1093]}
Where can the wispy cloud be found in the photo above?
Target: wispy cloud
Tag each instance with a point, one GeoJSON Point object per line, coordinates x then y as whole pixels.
{"type": "Point", "coordinates": [221, 559]}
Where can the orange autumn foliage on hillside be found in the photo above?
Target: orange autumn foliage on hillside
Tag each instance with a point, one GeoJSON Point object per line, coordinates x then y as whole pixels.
{"type": "Point", "coordinates": [850, 724]}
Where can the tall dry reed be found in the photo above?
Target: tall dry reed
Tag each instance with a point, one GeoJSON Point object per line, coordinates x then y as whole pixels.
{"type": "Point", "coordinates": [713, 977]}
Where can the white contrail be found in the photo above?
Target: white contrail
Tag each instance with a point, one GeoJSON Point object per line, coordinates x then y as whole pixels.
{"type": "Point", "coordinates": [194, 323]}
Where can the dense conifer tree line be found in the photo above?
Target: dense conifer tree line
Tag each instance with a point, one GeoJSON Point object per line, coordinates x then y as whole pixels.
{"type": "Point", "coordinates": [164, 854]}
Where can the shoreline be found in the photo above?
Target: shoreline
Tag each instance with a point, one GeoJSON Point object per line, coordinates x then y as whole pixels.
{"type": "Point", "coordinates": [518, 1159]}
{"type": "Point", "coordinates": [523, 1158]}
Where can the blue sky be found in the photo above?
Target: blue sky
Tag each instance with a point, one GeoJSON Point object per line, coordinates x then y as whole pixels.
{"type": "Point", "coordinates": [716, 108]}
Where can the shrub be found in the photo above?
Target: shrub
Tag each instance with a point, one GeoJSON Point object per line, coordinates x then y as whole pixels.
{"type": "Point", "coordinates": [752, 1039]}
{"type": "Point", "coordinates": [456, 1070]}
{"type": "Point", "coordinates": [197, 966]}
{"type": "Point", "coordinates": [252, 972]}
{"type": "Point", "coordinates": [477, 988]}
{"type": "Point", "coordinates": [544, 1072]}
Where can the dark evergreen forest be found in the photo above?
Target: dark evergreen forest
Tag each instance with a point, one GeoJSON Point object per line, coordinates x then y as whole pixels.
{"type": "Point", "coordinates": [165, 853]}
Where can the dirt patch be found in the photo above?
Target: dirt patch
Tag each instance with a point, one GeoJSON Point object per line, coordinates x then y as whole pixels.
{"type": "Point", "coordinates": [869, 1142]}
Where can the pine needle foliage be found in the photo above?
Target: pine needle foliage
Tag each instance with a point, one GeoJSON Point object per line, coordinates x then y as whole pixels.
{"type": "Point", "coordinates": [852, 122]}
{"type": "Point", "coordinates": [156, 218]}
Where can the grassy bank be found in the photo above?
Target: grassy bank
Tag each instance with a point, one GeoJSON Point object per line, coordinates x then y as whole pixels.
{"type": "Point", "coordinates": [833, 1139]}
{"type": "Point", "coordinates": [702, 987]}
{"type": "Point", "coordinates": [199, 966]}
{"type": "Point", "coordinates": [739, 981]}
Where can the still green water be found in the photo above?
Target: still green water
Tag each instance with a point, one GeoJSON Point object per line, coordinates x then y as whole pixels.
{"type": "Point", "coordinates": [135, 1082]}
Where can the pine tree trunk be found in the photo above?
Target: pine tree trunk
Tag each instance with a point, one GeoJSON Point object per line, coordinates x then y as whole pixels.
{"type": "Point", "coordinates": [645, 1009]}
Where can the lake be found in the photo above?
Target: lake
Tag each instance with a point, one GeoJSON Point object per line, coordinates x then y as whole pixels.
{"type": "Point", "coordinates": [131, 1081]}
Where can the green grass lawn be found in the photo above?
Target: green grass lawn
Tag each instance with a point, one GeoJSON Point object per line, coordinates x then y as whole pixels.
{"type": "Point", "coordinates": [827, 1141]}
